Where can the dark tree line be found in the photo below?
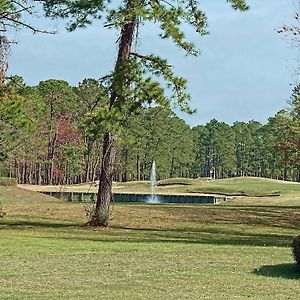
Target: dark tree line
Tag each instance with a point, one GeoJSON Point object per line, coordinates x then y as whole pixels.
{"type": "Point", "coordinates": [50, 134]}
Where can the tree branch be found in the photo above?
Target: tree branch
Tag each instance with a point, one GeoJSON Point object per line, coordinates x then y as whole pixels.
{"type": "Point", "coordinates": [25, 25]}
{"type": "Point", "coordinates": [147, 57]}
{"type": "Point", "coordinates": [23, 6]}
{"type": "Point", "coordinates": [4, 16]}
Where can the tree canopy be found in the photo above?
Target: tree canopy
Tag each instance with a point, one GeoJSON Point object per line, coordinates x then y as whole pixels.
{"type": "Point", "coordinates": [47, 137]}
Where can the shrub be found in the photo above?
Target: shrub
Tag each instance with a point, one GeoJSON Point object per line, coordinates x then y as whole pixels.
{"type": "Point", "coordinates": [296, 249]}
{"type": "Point", "coordinates": [4, 181]}
{"type": "Point", "coordinates": [2, 212]}
{"type": "Point", "coordinates": [95, 218]}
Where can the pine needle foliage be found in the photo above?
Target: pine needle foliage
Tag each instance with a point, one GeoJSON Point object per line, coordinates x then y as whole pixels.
{"type": "Point", "coordinates": [141, 79]}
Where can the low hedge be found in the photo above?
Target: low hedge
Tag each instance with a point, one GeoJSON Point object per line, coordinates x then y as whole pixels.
{"type": "Point", "coordinates": [5, 181]}
{"type": "Point", "coordinates": [296, 249]}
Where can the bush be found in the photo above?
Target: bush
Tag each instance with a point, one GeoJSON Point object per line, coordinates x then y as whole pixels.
{"type": "Point", "coordinates": [296, 249]}
{"type": "Point", "coordinates": [4, 181]}
{"type": "Point", "coordinates": [2, 213]}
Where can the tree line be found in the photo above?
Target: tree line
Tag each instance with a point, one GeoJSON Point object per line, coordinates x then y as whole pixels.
{"type": "Point", "coordinates": [51, 134]}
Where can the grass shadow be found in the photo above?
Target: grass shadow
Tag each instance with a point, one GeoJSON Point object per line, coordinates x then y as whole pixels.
{"type": "Point", "coordinates": [210, 235]}
{"type": "Point", "coordinates": [288, 271]}
{"type": "Point", "coordinates": [154, 235]}
{"type": "Point", "coordinates": [37, 223]}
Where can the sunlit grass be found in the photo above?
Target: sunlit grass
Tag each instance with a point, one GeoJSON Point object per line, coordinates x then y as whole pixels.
{"type": "Point", "coordinates": [243, 186]}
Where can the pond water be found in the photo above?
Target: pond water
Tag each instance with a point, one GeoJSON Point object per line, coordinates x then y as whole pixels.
{"type": "Point", "coordinates": [140, 198]}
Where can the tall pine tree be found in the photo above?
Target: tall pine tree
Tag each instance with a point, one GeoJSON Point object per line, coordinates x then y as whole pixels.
{"type": "Point", "coordinates": [136, 78]}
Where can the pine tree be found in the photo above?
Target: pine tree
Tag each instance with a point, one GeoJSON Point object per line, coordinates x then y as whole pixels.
{"type": "Point", "coordinates": [135, 78]}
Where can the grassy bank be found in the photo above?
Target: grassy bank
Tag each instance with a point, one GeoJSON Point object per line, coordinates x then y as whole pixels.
{"type": "Point", "coordinates": [239, 186]}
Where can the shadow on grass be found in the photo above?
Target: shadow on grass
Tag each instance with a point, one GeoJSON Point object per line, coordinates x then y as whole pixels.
{"type": "Point", "coordinates": [216, 236]}
{"type": "Point", "coordinates": [38, 223]}
{"type": "Point", "coordinates": [288, 271]}
{"type": "Point", "coordinates": [210, 235]}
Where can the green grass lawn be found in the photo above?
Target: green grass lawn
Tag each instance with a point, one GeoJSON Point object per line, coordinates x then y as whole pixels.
{"type": "Point", "coordinates": [239, 186]}
{"type": "Point", "coordinates": [234, 251]}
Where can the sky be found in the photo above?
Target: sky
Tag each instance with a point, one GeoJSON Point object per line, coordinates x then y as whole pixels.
{"type": "Point", "coordinates": [244, 72]}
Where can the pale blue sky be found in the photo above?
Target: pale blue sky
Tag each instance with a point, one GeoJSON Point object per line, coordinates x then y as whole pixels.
{"type": "Point", "coordinates": [244, 71]}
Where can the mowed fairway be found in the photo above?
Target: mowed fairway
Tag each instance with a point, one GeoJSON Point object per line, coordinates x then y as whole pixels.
{"type": "Point", "coordinates": [232, 251]}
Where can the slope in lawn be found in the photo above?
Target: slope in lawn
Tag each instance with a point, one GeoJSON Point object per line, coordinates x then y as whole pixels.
{"type": "Point", "coordinates": [241, 186]}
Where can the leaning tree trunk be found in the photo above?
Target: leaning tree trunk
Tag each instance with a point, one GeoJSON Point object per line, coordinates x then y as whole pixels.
{"type": "Point", "coordinates": [104, 196]}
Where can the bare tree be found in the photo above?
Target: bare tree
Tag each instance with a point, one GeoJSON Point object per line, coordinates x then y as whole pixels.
{"type": "Point", "coordinates": [292, 33]}
{"type": "Point", "coordinates": [12, 13]}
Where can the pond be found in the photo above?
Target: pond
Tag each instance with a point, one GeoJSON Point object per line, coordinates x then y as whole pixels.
{"type": "Point", "coordinates": [141, 198]}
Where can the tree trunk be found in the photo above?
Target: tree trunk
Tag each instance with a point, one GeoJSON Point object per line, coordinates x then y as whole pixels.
{"type": "Point", "coordinates": [172, 166]}
{"type": "Point", "coordinates": [138, 168]}
{"type": "Point", "coordinates": [104, 196]}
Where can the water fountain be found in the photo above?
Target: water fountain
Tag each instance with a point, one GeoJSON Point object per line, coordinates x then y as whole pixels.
{"type": "Point", "coordinates": [142, 198]}
{"type": "Point", "coordinates": [153, 198]}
